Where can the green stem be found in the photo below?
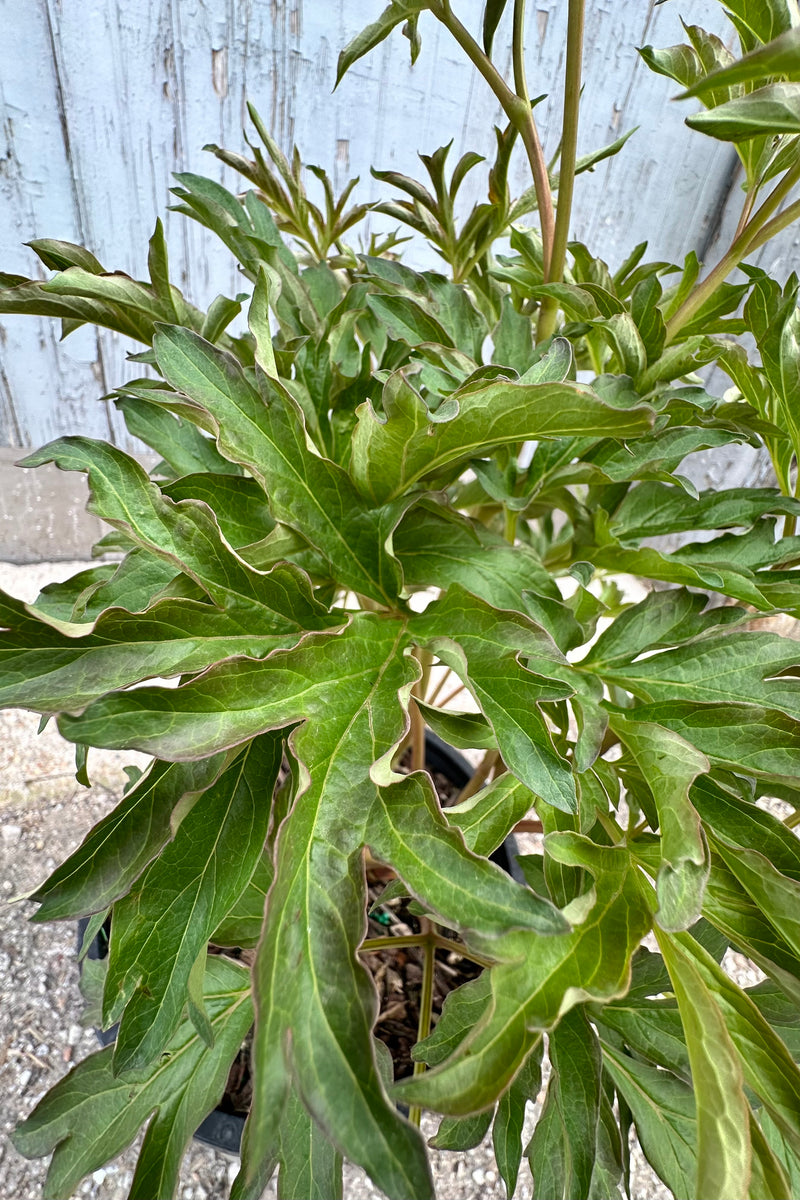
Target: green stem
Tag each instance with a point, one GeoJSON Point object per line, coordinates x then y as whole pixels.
{"type": "Point", "coordinates": [417, 737]}
{"type": "Point", "coordinates": [767, 233]}
{"type": "Point", "coordinates": [516, 106]}
{"type": "Point", "coordinates": [512, 516]}
{"type": "Point", "coordinates": [790, 522]}
{"type": "Point", "coordinates": [533, 147]}
{"type": "Point", "coordinates": [747, 209]}
{"type": "Point", "coordinates": [757, 231]}
{"type": "Point", "coordinates": [425, 1006]}
{"type": "Point", "coordinates": [569, 151]}
{"type": "Point", "coordinates": [420, 939]}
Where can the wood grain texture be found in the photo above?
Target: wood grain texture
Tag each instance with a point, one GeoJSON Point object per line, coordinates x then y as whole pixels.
{"type": "Point", "coordinates": [101, 100]}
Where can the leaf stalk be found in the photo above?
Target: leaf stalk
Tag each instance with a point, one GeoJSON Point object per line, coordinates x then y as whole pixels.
{"type": "Point", "coordinates": [569, 151]}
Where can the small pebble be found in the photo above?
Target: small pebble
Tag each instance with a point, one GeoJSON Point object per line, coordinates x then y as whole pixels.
{"type": "Point", "coordinates": [99, 1176]}
{"type": "Point", "coordinates": [233, 1171]}
{"type": "Point", "coordinates": [10, 833]}
{"type": "Point", "coordinates": [74, 1035]}
{"type": "Point", "coordinates": [23, 1079]}
{"type": "Point", "coordinates": [478, 1176]}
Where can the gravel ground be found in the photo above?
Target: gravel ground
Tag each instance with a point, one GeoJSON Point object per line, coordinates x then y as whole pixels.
{"type": "Point", "coordinates": [44, 814]}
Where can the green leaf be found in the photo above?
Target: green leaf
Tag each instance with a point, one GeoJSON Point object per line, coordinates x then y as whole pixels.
{"type": "Point", "coordinates": [119, 847]}
{"type": "Point", "coordinates": [49, 672]}
{"type": "Point", "coordinates": [651, 1028]}
{"type": "Point", "coordinates": [221, 312]}
{"type": "Point", "coordinates": [747, 827]}
{"type": "Point", "coordinates": [409, 441]}
{"type": "Point", "coordinates": [772, 110]}
{"type": "Point", "coordinates": [651, 509]}
{"type": "Point", "coordinates": [767, 1065]}
{"type": "Point", "coordinates": [729, 668]}
{"type": "Point", "coordinates": [694, 566]}
{"type": "Point", "coordinates": [487, 818]}
{"type": "Point", "coordinates": [742, 737]}
{"type": "Point", "coordinates": [562, 1149]}
{"type": "Point", "coordinates": [513, 338]}
{"type": "Point", "coordinates": [164, 923]}
{"type": "Point", "coordinates": [625, 340]}
{"type": "Point", "coordinates": [463, 730]}
{"type": "Point", "coordinates": [406, 828]}
{"type": "Point", "coordinates": [185, 534]}
{"type": "Point", "coordinates": [407, 321]}
{"type": "Point", "coordinates": [138, 583]}
{"type": "Point", "coordinates": [543, 978]}
{"type": "Point", "coordinates": [656, 623]}
{"type": "Point", "coordinates": [588, 162]}
{"type": "Point", "coordinates": [670, 766]}
{"type": "Point", "coordinates": [158, 267]}
{"type": "Point", "coordinates": [92, 1115]}
{"type": "Point", "coordinates": [647, 316]}
{"type": "Point", "coordinates": [241, 925]}
{"type": "Point", "coordinates": [372, 35]}
{"type": "Point", "coordinates": [181, 445]}
{"type": "Point", "coordinates": [310, 1166]}
{"type": "Point", "coordinates": [258, 322]}
{"type": "Point", "coordinates": [58, 256]}
{"type": "Point", "coordinates": [732, 910]}
{"type": "Point", "coordinates": [437, 549]}
{"type": "Point", "coordinates": [310, 494]}
{"type": "Point", "coordinates": [240, 505]}
{"type": "Point", "coordinates": [462, 1133]}
{"type": "Point", "coordinates": [681, 63]}
{"type": "Point", "coordinates": [767, 1175]}
{"type": "Point", "coordinates": [492, 12]}
{"type": "Point", "coordinates": [759, 20]}
{"type": "Point", "coordinates": [315, 1027]}
{"type": "Point", "coordinates": [781, 56]}
{"type": "Point", "coordinates": [775, 895]}
{"type": "Point", "coordinates": [462, 1010]}
{"type": "Point", "coordinates": [233, 701]}
{"type": "Point", "coordinates": [723, 1114]}
{"type": "Point", "coordinates": [64, 603]}
{"type": "Point", "coordinates": [510, 1118]}
{"type": "Point", "coordinates": [788, 1160]}
{"type": "Point", "coordinates": [483, 646]}
{"type": "Point", "coordinates": [663, 1110]}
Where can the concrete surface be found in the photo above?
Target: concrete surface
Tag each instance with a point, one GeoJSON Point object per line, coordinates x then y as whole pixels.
{"type": "Point", "coordinates": [42, 512]}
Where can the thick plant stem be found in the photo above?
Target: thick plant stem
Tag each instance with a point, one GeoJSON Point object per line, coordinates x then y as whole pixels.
{"type": "Point", "coordinates": [569, 152]}
{"type": "Point", "coordinates": [516, 106]}
{"type": "Point", "coordinates": [758, 230]}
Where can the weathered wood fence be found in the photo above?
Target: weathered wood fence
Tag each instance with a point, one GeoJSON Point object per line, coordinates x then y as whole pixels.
{"type": "Point", "coordinates": [101, 100]}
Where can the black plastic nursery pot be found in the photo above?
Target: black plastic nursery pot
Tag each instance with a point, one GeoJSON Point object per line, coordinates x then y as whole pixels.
{"type": "Point", "coordinates": [223, 1130]}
